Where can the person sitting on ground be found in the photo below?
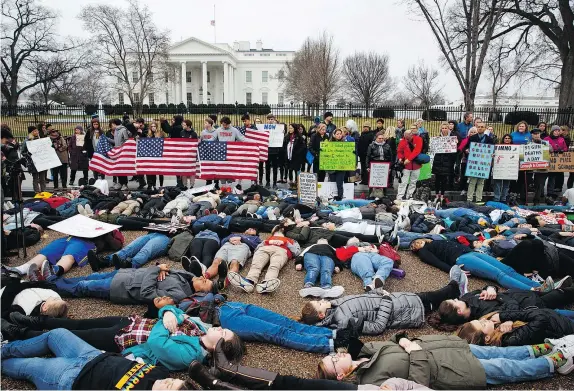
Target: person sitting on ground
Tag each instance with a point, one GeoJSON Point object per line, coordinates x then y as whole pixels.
{"type": "Point", "coordinates": [32, 298]}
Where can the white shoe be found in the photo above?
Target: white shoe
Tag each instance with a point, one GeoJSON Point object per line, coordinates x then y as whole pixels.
{"type": "Point", "coordinates": [313, 291]}
{"type": "Point", "coordinates": [238, 281]}
{"type": "Point", "coordinates": [456, 274]}
{"type": "Point", "coordinates": [563, 283]}
{"type": "Point", "coordinates": [81, 210]}
{"type": "Point", "coordinates": [116, 186]}
{"type": "Point", "coordinates": [568, 353]}
{"type": "Point", "coordinates": [271, 214]}
{"type": "Point", "coordinates": [564, 342]}
{"type": "Point", "coordinates": [89, 211]}
{"type": "Point", "coordinates": [10, 205]}
{"type": "Point", "coordinates": [296, 214]}
{"type": "Point", "coordinates": [333, 292]}
{"type": "Point", "coordinates": [268, 286]}
{"type": "Point", "coordinates": [463, 192]}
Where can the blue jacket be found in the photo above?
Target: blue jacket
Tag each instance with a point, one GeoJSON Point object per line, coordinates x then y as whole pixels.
{"type": "Point", "coordinates": [251, 240]}
{"type": "Point", "coordinates": [212, 218]}
{"type": "Point", "coordinates": [463, 128]}
{"type": "Point", "coordinates": [207, 234]}
{"type": "Point", "coordinates": [520, 138]}
{"type": "Point", "coordinates": [231, 199]}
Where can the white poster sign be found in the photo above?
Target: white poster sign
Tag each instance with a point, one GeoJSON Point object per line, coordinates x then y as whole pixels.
{"type": "Point", "coordinates": [379, 174]}
{"type": "Point", "coordinates": [307, 189]}
{"type": "Point", "coordinates": [43, 155]}
{"type": "Point", "coordinates": [83, 227]}
{"type": "Point", "coordinates": [276, 134]}
{"type": "Point", "coordinates": [533, 153]}
{"type": "Point", "coordinates": [329, 190]}
{"type": "Point", "coordinates": [202, 189]}
{"type": "Point", "coordinates": [80, 140]}
{"type": "Point", "coordinates": [506, 162]}
{"type": "Point", "coordinates": [445, 144]}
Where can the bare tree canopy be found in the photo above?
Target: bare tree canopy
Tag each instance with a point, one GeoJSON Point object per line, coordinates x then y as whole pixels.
{"type": "Point", "coordinates": [367, 78]}
{"type": "Point", "coordinates": [314, 74]}
{"type": "Point", "coordinates": [423, 84]}
{"type": "Point", "coordinates": [463, 30]}
{"type": "Point", "coordinates": [133, 49]}
{"type": "Point", "coordinates": [29, 40]}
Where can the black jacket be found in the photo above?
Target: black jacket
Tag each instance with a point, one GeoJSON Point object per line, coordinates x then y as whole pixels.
{"type": "Point", "coordinates": [541, 324]}
{"type": "Point", "coordinates": [365, 140]}
{"type": "Point", "coordinates": [442, 253]}
{"type": "Point", "coordinates": [173, 131]}
{"type": "Point", "coordinates": [315, 145]}
{"type": "Point", "coordinates": [379, 153]}
{"type": "Point", "coordinates": [511, 300]}
{"type": "Point", "coordinates": [476, 139]}
{"type": "Point", "coordinates": [299, 151]}
{"type": "Point", "coordinates": [443, 163]}
{"type": "Point", "coordinates": [190, 134]}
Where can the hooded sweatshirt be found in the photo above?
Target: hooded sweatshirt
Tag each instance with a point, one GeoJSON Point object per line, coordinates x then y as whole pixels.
{"type": "Point", "coordinates": [229, 134]}
{"type": "Point", "coordinates": [209, 135]}
{"type": "Point", "coordinates": [121, 135]}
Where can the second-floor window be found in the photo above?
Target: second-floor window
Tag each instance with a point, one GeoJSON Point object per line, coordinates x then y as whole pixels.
{"type": "Point", "coordinates": [135, 77]}
{"type": "Point", "coordinates": [121, 98]}
{"type": "Point", "coordinates": [248, 76]}
{"type": "Point", "coordinates": [248, 98]}
{"type": "Point", "coordinates": [265, 76]}
{"type": "Point", "coordinates": [188, 76]}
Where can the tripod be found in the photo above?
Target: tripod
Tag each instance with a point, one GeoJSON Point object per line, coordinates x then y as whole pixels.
{"type": "Point", "coordinates": [16, 177]}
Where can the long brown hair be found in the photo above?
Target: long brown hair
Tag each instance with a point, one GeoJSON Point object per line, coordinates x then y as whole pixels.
{"type": "Point", "coordinates": [477, 337]}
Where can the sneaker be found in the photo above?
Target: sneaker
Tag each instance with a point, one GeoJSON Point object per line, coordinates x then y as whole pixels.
{"type": "Point", "coordinates": [456, 274]}
{"type": "Point", "coordinates": [89, 211]}
{"type": "Point", "coordinates": [33, 273]}
{"type": "Point", "coordinates": [537, 278]}
{"type": "Point", "coordinates": [463, 192]}
{"type": "Point", "coordinates": [193, 266]}
{"type": "Point", "coordinates": [565, 282]}
{"type": "Point", "coordinates": [564, 342]}
{"type": "Point", "coordinates": [116, 186]}
{"type": "Point", "coordinates": [313, 291]}
{"type": "Point", "coordinates": [548, 285]}
{"type": "Point", "coordinates": [268, 286]}
{"type": "Point", "coordinates": [369, 287]}
{"type": "Point", "coordinates": [10, 205]}
{"type": "Point", "coordinates": [270, 214]}
{"type": "Point", "coordinates": [568, 353]}
{"type": "Point", "coordinates": [378, 282]}
{"type": "Point", "coordinates": [237, 280]}
{"type": "Point", "coordinates": [333, 292]}
{"type": "Point", "coordinates": [81, 210]}
{"type": "Point", "coordinates": [46, 270]}
{"type": "Point", "coordinates": [222, 271]}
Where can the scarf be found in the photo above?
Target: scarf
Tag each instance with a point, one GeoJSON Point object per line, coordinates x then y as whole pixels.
{"type": "Point", "coordinates": [290, 146]}
{"type": "Point", "coordinates": [58, 142]}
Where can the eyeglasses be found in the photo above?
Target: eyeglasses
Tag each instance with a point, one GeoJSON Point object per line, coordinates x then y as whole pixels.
{"type": "Point", "coordinates": [334, 359]}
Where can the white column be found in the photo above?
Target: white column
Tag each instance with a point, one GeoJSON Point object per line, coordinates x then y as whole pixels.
{"type": "Point", "coordinates": [225, 82]}
{"type": "Point", "coordinates": [183, 82]}
{"type": "Point", "coordinates": [204, 75]}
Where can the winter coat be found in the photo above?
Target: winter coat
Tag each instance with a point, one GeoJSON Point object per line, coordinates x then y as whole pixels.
{"type": "Point", "coordinates": [308, 235]}
{"type": "Point", "coordinates": [252, 241]}
{"type": "Point", "coordinates": [315, 145]}
{"type": "Point", "coordinates": [541, 323]}
{"type": "Point", "coordinates": [25, 153]}
{"type": "Point", "coordinates": [78, 154]}
{"type": "Point", "coordinates": [410, 150]}
{"type": "Point", "coordinates": [558, 144]}
{"type": "Point", "coordinates": [510, 300]}
{"type": "Point", "coordinates": [520, 138]}
{"type": "Point", "coordinates": [121, 135]}
{"type": "Point", "coordinates": [444, 362]}
{"type": "Point", "coordinates": [485, 139]}
{"type": "Point", "coordinates": [89, 144]}
{"type": "Point", "coordinates": [173, 131]}
{"type": "Point", "coordinates": [442, 254]}
{"type": "Point", "coordinates": [365, 140]}
{"type": "Point", "coordinates": [60, 146]}
{"type": "Point", "coordinates": [190, 134]}
{"type": "Point", "coordinates": [376, 311]}
{"type": "Point", "coordinates": [443, 164]}
{"type": "Point", "coordinates": [298, 150]}
{"type": "Point", "coordinates": [379, 153]}
{"type": "Point", "coordinates": [462, 147]}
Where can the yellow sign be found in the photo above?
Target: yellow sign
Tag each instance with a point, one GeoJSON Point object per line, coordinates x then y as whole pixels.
{"type": "Point", "coordinates": [337, 156]}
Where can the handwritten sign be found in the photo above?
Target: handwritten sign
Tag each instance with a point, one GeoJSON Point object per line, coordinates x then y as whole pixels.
{"type": "Point", "coordinates": [307, 189]}
{"type": "Point", "coordinates": [506, 162]}
{"type": "Point", "coordinates": [534, 156]}
{"type": "Point", "coordinates": [446, 144]}
{"type": "Point", "coordinates": [379, 174]}
{"type": "Point", "coordinates": [562, 162]}
{"type": "Point", "coordinates": [80, 140]}
{"type": "Point", "coordinates": [83, 227]}
{"type": "Point", "coordinates": [43, 155]}
{"type": "Point", "coordinates": [479, 160]}
{"type": "Point", "coordinates": [337, 156]}
{"type": "Point", "coordinates": [329, 190]}
{"type": "Point", "coordinates": [276, 134]}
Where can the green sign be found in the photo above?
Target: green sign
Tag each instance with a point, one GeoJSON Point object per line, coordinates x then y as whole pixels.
{"type": "Point", "coordinates": [337, 156]}
{"type": "Point", "coordinates": [426, 172]}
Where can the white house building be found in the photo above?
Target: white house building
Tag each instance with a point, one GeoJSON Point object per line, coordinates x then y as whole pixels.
{"type": "Point", "coordinates": [521, 101]}
{"type": "Point", "coordinates": [213, 73]}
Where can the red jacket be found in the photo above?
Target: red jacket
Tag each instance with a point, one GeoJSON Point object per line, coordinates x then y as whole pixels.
{"type": "Point", "coordinates": [346, 252]}
{"type": "Point", "coordinates": [404, 152]}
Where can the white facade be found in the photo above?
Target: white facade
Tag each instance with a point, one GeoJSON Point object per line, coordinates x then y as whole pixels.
{"type": "Point", "coordinates": [514, 100]}
{"type": "Point", "coordinates": [229, 74]}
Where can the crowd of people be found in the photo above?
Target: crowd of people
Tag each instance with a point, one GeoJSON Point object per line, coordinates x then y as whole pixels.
{"type": "Point", "coordinates": [517, 328]}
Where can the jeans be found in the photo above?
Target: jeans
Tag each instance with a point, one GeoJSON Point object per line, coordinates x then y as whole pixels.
{"type": "Point", "coordinates": [253, 323]}
{"type": "Point", "coordinates": [94, 285]}
{"type": "Point", "coordinates": [475, 184]}
{"type": "Point", "coordinates": [453, 213]}
{"type": "Point", "coordinates": [21, 359]}
{"type": "Point", "coordinates": [501, 187]}
{"type": "Point", "coordinates": [408, 184]}
{"type": "Point", "coordinates": [70, 208]}
{"type": "Point", "coordinates": [369, 265]}
{"type": "Point", "coordinates": [511, 364]}
{"type": "Point", "coordinates": [318, 265]}
{"type": "Point", "coordinates": [143, 249]}
{"type": "Point", "coordinates": [487, 267]}
{"type": "Point", "coordinates": [60, 173]}
{"type": "Point", "coordinates": [355, 203]}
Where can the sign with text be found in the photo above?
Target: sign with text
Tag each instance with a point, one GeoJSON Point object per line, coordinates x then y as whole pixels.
{"type": "Point", "coordinates": [506, 162]}
{"type": "Point", "coordinates": [479, 160]}
{"type": "Point", "coordinates": [43, 155]}
{"type": "Point", "coordinates": [562, 162]}
{"type": "Point", "coordinates": [445, 144]}
{"type": "Point", "coordinates": [337, 156]}
{"type": "Point", "coordinates": [379, 174]}
{"type": "Point", "coordinates": [276, 134]}
{"type": "Point", "coordinates": [329, 190]}
{"type": "Point", "coordinates": [83, 227]}
{"type": "Point", "coordinates": [307, 188]}
{"type": "Point", "coordinates": [534, 156]}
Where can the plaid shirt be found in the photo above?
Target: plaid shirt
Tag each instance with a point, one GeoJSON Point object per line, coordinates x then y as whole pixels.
{"type": "Point", "coordinates": [140, 329]}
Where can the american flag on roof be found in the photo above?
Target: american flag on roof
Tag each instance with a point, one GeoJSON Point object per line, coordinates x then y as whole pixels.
{"type": "Point", "coordinates": [228, 160]}
{"type": "Point", "coordinates": [117, 161]}
{"type": "Point", "coordinates": [166, 156]}
{"type": "Point", "coordinates": [259, 137]}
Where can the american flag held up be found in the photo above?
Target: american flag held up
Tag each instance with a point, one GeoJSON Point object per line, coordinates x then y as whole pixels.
{"type": "Point", "coordinates": [225, 160]}
{"type": "Point", "coordinates": [261, 138]}
{"type": "Point", "coordinates": [118, 161]}
{"type": "Point", "coordinates": [166, 156]}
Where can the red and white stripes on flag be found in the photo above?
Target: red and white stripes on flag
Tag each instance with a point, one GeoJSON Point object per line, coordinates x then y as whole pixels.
{"type": "Point", "coordinates": [168, 156]}
{"type": "Point", "coordinates": [228, 160]}
{"type": "Point", "coordinates": [120, 161]}
{"type": "Point", "coordinates": [261, 138]}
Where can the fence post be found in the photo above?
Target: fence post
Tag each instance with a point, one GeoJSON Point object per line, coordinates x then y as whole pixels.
{"type": "Point", "coordinates": [35, 113]}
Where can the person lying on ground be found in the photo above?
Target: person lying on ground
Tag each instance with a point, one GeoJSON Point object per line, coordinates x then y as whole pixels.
{"type": "Point", "coordinates": [32, 298]}
{"type": "Point", "coordinates": [307, 233]}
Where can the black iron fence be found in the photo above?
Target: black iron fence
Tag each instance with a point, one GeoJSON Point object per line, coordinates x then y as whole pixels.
{"type": "Point", "coordinates": [65, 118]}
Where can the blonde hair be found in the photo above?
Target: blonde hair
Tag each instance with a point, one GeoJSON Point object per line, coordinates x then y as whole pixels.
{"type": "Point", "coordinates": [520, 123]}
{"type": "Point", "coordinates": [389, 132]}
{"type": "Point", "coordinates": [56, 308]}
{"type": "Point", "coordinates": [477, 337]}
{"type": "Point", "coordinates": [158, 129]}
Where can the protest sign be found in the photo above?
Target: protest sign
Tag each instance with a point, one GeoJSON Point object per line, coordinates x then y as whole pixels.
{"type": "Point", "coordinates": [561, 162]}
{"type": "Point", "coordinates": [379, 174]}
{"type": "Point", "coordinates": [276, 134]}
{"type": "Point", "coordinates": [307, 189]}
{"type": "Point", "coordinates": [43, 155]}
{"type": "Point", "coordinates": [83, 227]}
{"type": "Point", "coordinates": [80, 140]}
{"type": "Point", "coordinates": [534, 156]}
{"type": "Point", "coordinates": [445, 144]}
{"type": "Point", "coordinates": [425, 172]}
{"type": "Point", "coordinates": [479, 160]}
{"type": "Point", "coordinates": [506, 162]}
{"type": "Point", "coordinates": [329, 190]}
{"type": "Point", "coordinates": [337, 156]}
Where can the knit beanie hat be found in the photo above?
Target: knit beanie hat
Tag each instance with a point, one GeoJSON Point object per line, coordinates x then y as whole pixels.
{"type": "Point", "coordinates": [317, 120]}
{"type": "Point", "coordinates": [555, 127]}
{"type": "Point", "coordinates": [80, 127]}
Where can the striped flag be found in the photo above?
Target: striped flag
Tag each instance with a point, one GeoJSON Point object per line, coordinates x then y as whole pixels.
{"type": "Point", "coordinates": [228, 160]}
{"type": "Point", "coordinates": [166, 156]}
{"type": "Point", "coordinates": [261, 138]}
{"type": "Point", "coordinates": [117, 161]}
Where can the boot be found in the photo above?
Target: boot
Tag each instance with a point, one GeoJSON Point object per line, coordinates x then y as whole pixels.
{"type": "Point", "coordinates": [250, 378]}
{"type": "Point", "coordinates": [96, 262]}
{"type": "Point", "coordinates": [121, 263]}
{"type": "Point", "coordinates": [201, 375]}
{"type": "Point", "coordinates": [32, 322]}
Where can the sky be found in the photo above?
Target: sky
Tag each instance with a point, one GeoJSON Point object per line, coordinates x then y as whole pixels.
{"type": "Point", "coordinates": [383, 26]}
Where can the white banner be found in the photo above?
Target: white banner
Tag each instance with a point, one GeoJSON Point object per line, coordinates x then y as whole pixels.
{"type": "Point", "coordinates": [329, 190]}
{"type": "Point", "coordinates": [307, 190]}
{"type": "Point", "coordinates": [379, 174]}
{"type": "Point", "coordinates": [506, 162]}
{"type": "Point", "coordinates": [43, 154]}
{"type": "Point", "coordinates": [276, 134]}
{"type": "Point", "coordinates": [83, 227]}
{"type": "Point", "coordinates": [446, 144]}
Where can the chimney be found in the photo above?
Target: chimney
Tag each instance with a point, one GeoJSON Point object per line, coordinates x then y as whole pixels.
{"type": "Point", "coordinates": [259, 45]}
{"type": "Point", "coordinates": [244, 46]}
{"type": "Point", "coordinates": [236, 46]}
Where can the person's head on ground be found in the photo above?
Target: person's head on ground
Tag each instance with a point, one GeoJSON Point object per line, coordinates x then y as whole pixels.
{"type": "Point", "coordinates": [337, 135]}
{"type": "Point", "coordinates": [225, 122]}
{"type": "Point", "coordinates": [232, 346]}
{"type": "Point", "coordinates": [278, 230]}
{"type": "Point", "coordinates": [336, 366]}
{"type": "Point", "coordinates": [555, 132]}
{"type": "Point", "coordinates": [353, 241]}
{"type": "Point", "coordinates": [521, 127]}
{"type": "Point", "coordinates": [472, 131]}
{"type": "Point", "coordinates": [161, 301]}
{"type": "Point", "coordinates": [169, 384]}
{"type": "Point", "coordinates": [535, 220]}
{"type": "Point", "coordinates": [208, 123]}
{"type": "Point", "coordinates": [251, 231]}
{"type": "Point", "coordinates": [507, 139]}
{"type": "Point", "coordinates": [418, 244]}
{"type": "Point", "coordinates": [444, 129]}
{"type": "Point", "coordinates": [246, 119]}
{"type": "Point", "coordinates": [328, 117]}
{"type": "Point", "coordinates": [187, 125]}
{"type": "Point", "coordinates": [54, 307]}
{"type": "Point", "coordinates": [322, 129]}
{"type": "Point", "coordinates": [314, 311]}
{"type": "Point", "coordinates": [484, 331]}
{"type": "Point", "coordinates": [467, 118]}
{"type": "Point", "coordinates": [202, 284]}
{"type": "Point", "coordinates": [33, 132]}
{"type": "Point", "coordinates": [450, 313]}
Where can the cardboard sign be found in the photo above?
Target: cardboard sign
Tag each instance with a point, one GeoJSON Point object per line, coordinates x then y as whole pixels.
{"type": "Point", "coordinates": [337, 156]}
{"type": "Point", "coordinates": [43, 155]}
{"type": "Point", "coordinates": [379, 174]}
{"type": "Point", "coordinates": [329, 190]}
{"type": "Point", "coordinates": [307, 189]}
{"type": "Point", "coordinates": [446, 144]}
{"type": "Point", "coordinates": [80, 140]}
{"type": "Point", "coordinates": [562, 162]}
{"type": "Point", "coordinates": [534, 156]}
{"type": "Point", "coordinates": [83, 227]}
{"type": "Point", "coordinates": [506, 162]}
{"type": "Point", "coordinates": [479, 160]}
{"type": "Point", "coordinates": [276, 134]}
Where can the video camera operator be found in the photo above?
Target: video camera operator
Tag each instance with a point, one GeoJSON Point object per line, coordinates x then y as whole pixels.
{"type": "Point", "coordinates": [10, 158]}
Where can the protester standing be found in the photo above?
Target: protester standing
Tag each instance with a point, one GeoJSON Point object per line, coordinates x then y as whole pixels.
{"type": "Point", "coordinates": [121, 135]}
{"type": "Point", "coordinates": [61, 147]}
{"type": "Point", "coordinates": [315, 148]}
{"type": "Point", "coordinates": [38, 178]}
{"type": "Point", "coordinates": [501, 186]}
{"type": "Point", "coordinates": [380, 151]}
{"type": "Point", "coordinates": [558, 145]}
{"type": "Point", "coordinates": [154, 131]}
{"type": "Point", "coordinates": [295, 151]}
{"type": "Point", "coordinates": [477, 184]}
{"type": "Point", "coordinates": [78, 155]}
{"type": "Point", "coordinates": [409, 148]}
{"type": "Point", "coordinates": [443, 165]}
{"type": "Point", "coordinates": [367, 137]}
{"type": "Point", "coordinates": [540, 175]}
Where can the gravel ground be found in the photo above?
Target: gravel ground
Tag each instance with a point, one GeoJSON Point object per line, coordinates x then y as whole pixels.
{"type": "Point", "coordinates": [419, 277]}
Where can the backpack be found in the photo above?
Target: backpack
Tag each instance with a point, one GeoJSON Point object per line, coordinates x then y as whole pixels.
{"type": "Point", "coordinates": [179, 245]}
{"type": "Point", "coordinates": [386, 250]}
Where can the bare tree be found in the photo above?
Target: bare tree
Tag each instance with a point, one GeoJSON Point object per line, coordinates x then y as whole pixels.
{"type": "Point", "coordinates": [422, 83]}
{"type": "Point", "coordinates": [28, 36]}
{"type": "Point", "coordinates": [133, 50]}
{"type": "Point", "coordinates": [367, 77]}
{"type": "Point", "coordinates": [463, 30]}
